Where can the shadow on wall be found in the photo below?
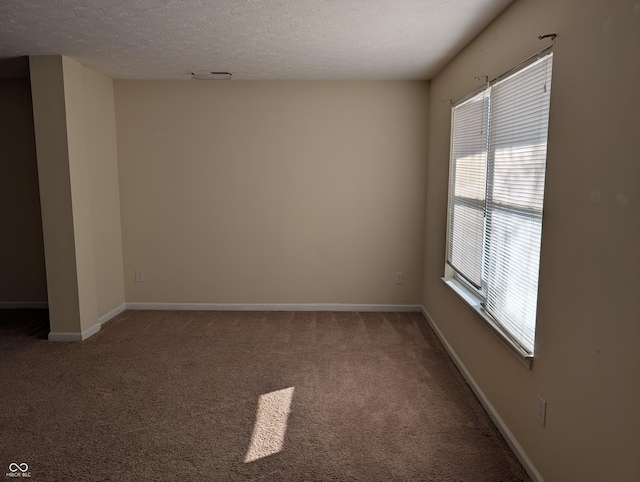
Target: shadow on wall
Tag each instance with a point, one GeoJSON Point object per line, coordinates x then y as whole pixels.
{"type": "Point", "coordinates": [14, 68]}
{"type": "Point", "coordinates": [22, 268]}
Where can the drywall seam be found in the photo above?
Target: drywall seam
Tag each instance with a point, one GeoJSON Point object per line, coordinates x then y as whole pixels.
{"type": "Point", "coordinates": [515, 447]}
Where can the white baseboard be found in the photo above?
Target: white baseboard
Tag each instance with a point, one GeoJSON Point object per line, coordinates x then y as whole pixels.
{"type": "Point", "coordinates": [64, 336]}
{"type": "Point", "coordinates": [273, 307]}
{"type": "Point", "coordinates": [19, 305]}
{"type": "Point", "coordinates": [489, 408]}
{"type": "Point", "coordinates": [74, 336]}
{"type": "Point", "coordinates": [112, 314]}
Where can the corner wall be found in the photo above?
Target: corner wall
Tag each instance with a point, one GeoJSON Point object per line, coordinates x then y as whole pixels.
{"type": "Point", "coordinates": [587, 365]}
{"type": "Point", "coordinates": [75, 142]}
{"type": "Point", "coordinates": [22, 271]}
{"type": "Point", "coordinates": [102, 158]}
{"type": "Point", "coordinates": [272, 191]}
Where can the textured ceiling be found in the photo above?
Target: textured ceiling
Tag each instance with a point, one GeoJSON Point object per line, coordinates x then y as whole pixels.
{"type": "Point", "coordinates": [254, 39]}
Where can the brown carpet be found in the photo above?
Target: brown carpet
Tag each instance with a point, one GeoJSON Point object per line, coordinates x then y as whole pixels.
{"type": "Point", "coordinates": [175, 396]}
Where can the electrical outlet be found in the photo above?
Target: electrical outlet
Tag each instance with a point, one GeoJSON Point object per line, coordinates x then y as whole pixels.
{"type": "Point", "coordinates": [542, 410]}
{"type": "Point", "coordinates": [139, 276]}
{"type": "Point", "coordinates": [399, 277]}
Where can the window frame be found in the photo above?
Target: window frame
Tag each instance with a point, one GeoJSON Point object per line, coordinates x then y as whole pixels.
{"type": "Point", "coordinates": [466, 291]}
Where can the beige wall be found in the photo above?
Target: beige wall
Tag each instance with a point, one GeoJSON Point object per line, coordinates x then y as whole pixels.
{"type": "Point", "coordinates": [587, 364]}
{"type": "Point", "coordinates": [47, 87]}
{"type": "Point", "coordinates": [75, 139]}
{"type": "Point", "coordinates": [272, 192]}
{"type": "Point", "coordinates": [22, 272]}
{"type": "Point", "coordinates": [78, 158]}
{"type": "Point", "coordinates": [102, 163]}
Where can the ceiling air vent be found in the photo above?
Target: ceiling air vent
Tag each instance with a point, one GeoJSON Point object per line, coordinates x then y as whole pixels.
{"type": "Point", "coordinates": [209, 75]}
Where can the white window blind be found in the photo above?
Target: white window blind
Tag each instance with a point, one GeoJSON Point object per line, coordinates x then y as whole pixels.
{"type": "Point", "coordinates": [498, 159]}
{"type": "Point", "coordinates": [467, 187]}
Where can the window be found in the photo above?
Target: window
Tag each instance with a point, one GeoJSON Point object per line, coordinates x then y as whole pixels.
{"type": "Point", "coordinates": [496, 191]}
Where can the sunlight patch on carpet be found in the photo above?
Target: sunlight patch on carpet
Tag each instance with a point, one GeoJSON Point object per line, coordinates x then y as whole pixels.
{"type": "Point", "coordinates": [271, 424]}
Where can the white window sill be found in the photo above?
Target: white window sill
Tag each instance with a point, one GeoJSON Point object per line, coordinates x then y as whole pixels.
{"type": "Point", "coordinates": [473, 304]}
